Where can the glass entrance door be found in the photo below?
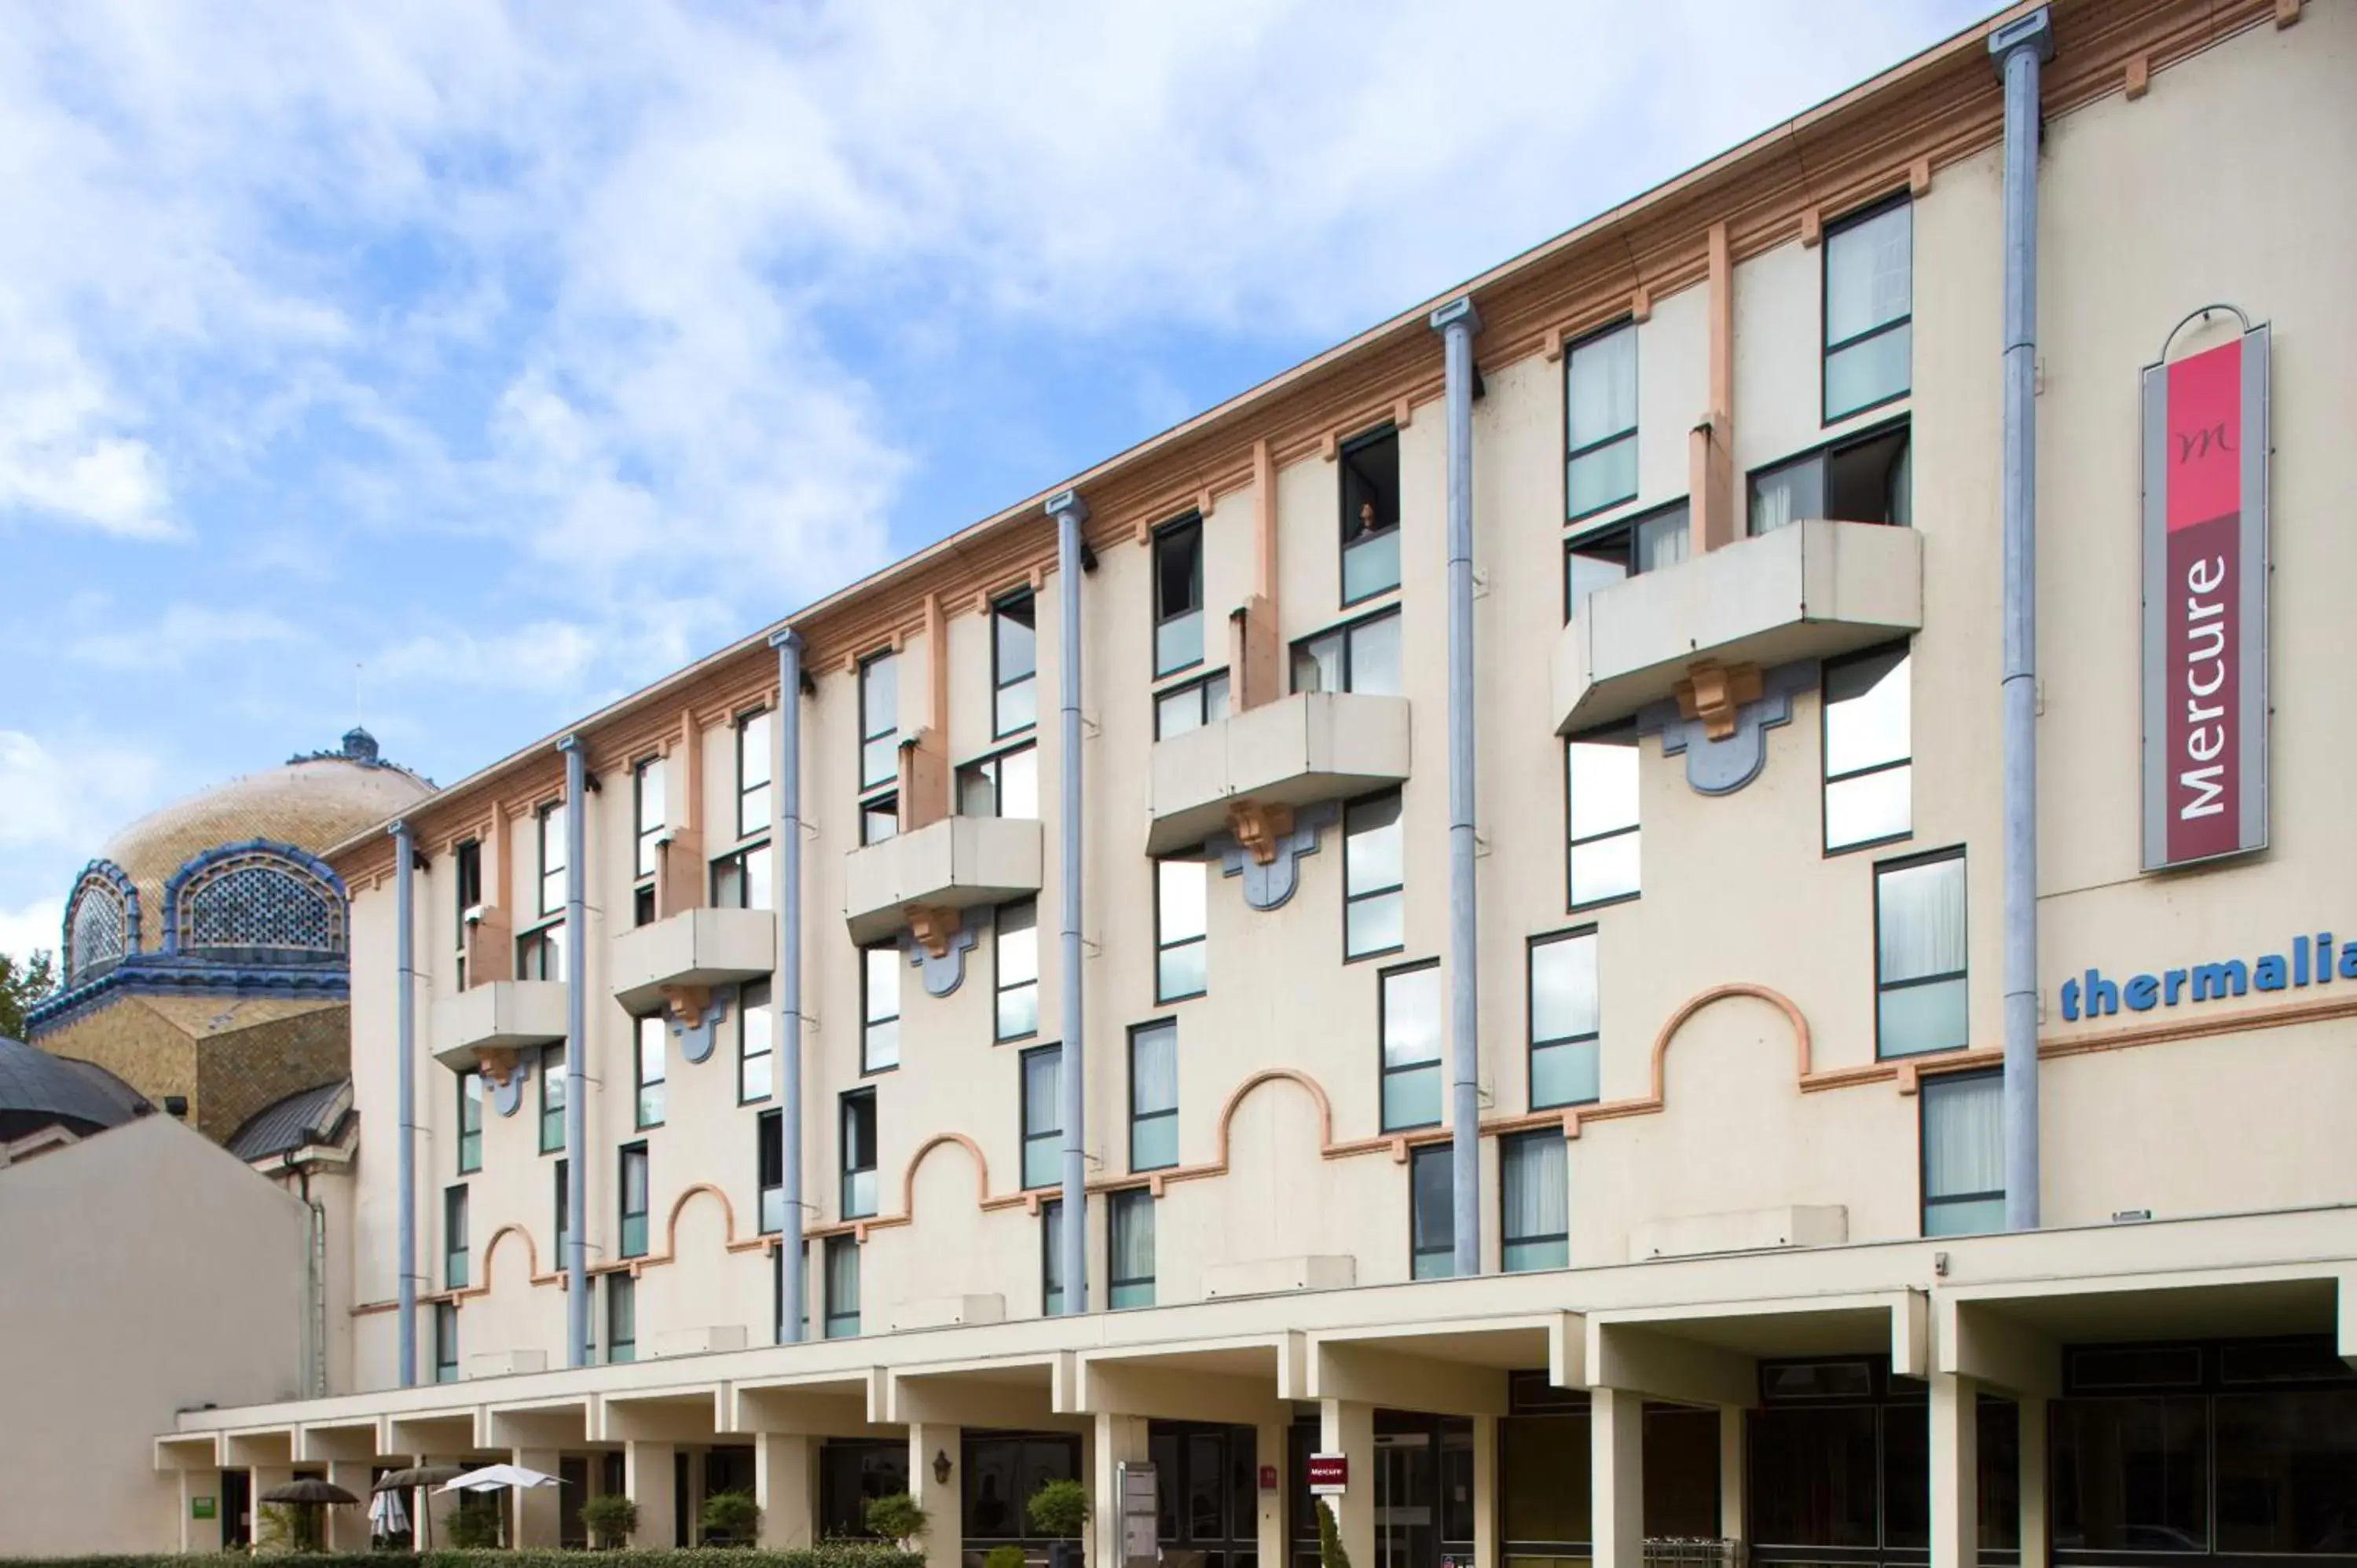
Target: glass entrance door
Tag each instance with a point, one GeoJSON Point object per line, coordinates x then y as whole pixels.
{"type": "Point", "coordinates": [1407, 1523]}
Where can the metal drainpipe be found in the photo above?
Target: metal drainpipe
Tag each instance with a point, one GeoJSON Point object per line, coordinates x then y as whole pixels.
{"type": "Point", "coordinates": [1457, 322]}
{"type": "Point", "coordinates": [404, 1013]}
{"type": "Point", "coordinates": [576, 1047]}
{"type": "Point", "coordinates": [1070, 511]}
{"type": "Point", "coordinates": [786, 833]}
{"type": "Point", "coordinates": [2019, 49]}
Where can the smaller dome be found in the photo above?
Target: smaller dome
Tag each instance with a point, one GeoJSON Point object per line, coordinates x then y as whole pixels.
{"type": "Point", "coordinates": [38, 1090]}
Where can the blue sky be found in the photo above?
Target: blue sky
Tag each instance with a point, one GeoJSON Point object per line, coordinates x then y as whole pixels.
{"type": "Point", "coordinates": [459, 367]}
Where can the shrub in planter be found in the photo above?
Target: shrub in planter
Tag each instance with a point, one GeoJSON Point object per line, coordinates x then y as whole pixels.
{"type": "Point", "coordinates": [1331, 1552]}
{"type": "Point", "coordinates": [733, 1517]}
{"type": "Point", "coordinates": [474, 1525]}
{"type": "Point", "coordinates": [896, 1516]}
{"type": "Point", "coordinates": [1061, 1509]}
{"type": "Point", "coordinates": [610, 1518]}
{"type": "Point", "coordinates": [1003, 1557]}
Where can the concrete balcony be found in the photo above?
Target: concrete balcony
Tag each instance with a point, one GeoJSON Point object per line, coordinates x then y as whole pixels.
{"type": "Point", "coordinates": [499, 1016]}
{"type": "Point", "coordinates": [690, 952]}
{"type": "Point", "coordinates": [1811, 590]}
{"type": "Point", "coordinates": [953, 863]}
{"type": "Point", "coordinates": [1294, 752]}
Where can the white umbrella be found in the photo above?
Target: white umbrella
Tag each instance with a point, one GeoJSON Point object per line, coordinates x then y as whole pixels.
{"type": "Point", "coordinates": [495, 1477]}
{"type": "Point", "coordinates": [386, 1516]}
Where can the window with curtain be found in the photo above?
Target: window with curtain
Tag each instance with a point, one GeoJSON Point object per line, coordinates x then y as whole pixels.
{"type": "Point", "coordinates": [880, 720]}
{"type": "Point", "coordinates": [879, 1001]}
{"type": "Point", "coordinates": [1600, 376]}
{"type": "Point", "coordinates": [551, 1098]}
{"type": "Point", "coordinates": [1016, 957]}
{"type": "Point", "coordinates": [1178, 595]}
{"type": "Point", "coordinates": [446, 1342]}
{"type": "Point", "coordinates": [1964, 1154]}
{"type": "Point", "coordinates": [859, 1154]}
{"type": "Point", "coordinates": [622, 1319]}
{"type": "Point", "coordinates": [769, 1161]}
{"type": "Point", "coordinates": [1154, 1096]}
{"type": "Point", "coordinates": [1564, 1020]}
{"type": "Point", "coordinates": [549, 830]}
{"type": "Point", "coordinates": [1432, 1212]}
{"type": "Point", "coordinates": [1600, 557]}
{"type": "Point", "coordinates": [1411, 1046]}
{"type": "Point", "coordinates": [842, 1287]}
{"type": "Point", "coordinates": [1869, 260]}
{"type": "Point", "coordinates": [470, 1121]}
{"type": "Point", "coordinates": [1860, 478]}
{"type": "Point", "coordinates": [454, 1238]}
{"type": "Point", "coordinates": [1534, 1201]}
{"type": "Point", "coordinates": [1130, 1240]}
{"type": "Point", "coordinates": [1370, 514]}
{"type": "Point", "coordinates": [1363, 657]}
{"type": "Point", "coordinates": [756, 1042]}
{"type": "Point", "coordinates": [1006, 785]}
{"type": "Point", "coordinates": [1374, 873]}
{"type": "Point", "coordinates": [753, 769]}
{"type": "Point", "coordinates": [564, 1172]}
{"type": "Point", "coordinates": [1190, 706]}
{"type": "Point", "coordinates": [1181, 928]}
{"type": "Point", "coordinates": [1051, 1258]}
{"type": "Point", "coordinates": [1600, 778]}
{"type": "Point", "coordinates": [1867, 722]}
{"type": "Point", "coordinates": [1014, 665]}
{"type": "Point", "coordinates": [630, 1170]}
{"type": "Point", "coordinates": [654, 1032]}
{"type": "Point", "coordinates": [1043, 1116]}
{"type": "Point", "coordinates": [1918, 955]}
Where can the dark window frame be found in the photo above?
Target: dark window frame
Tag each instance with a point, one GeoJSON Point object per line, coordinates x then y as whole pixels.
{"type": "Point", "coordinates": [538, 944]}
{"type": "Point", "coordinates": [1120, 1205]}
{"type": "Point", "coordinates": [1573, 454]}
{"type": "Point", "coordinates": [1571, 844]}
{"type": "Point", "coordinates": [1827, 778]}
{"type": "Point", "coordinates": [1420, 1155]}
{"type": "Point", "coordinates": [542, 869]}
{"type": "Point", "coordinates": [868, 787]}
{"type": "Point", "coordinates": [469, 1149]}
{"type": "Point", "coordinates": [993, 764]}
{"type": "Point", "coordinates": [746, 1007]}
{"type": "Point", "coordinates": [1026, 1135]}
{"type": "Point", "coordinates": [1348, 630]}
{"type": "Point", "coordinates": [621, 1287]}
{"type": "Point", "coordinates": [999, 684]}
{"type": "Point", "coordinates": [746, 790]}
{"type": "Point", "coordinates": [839, 1324]}
{"type": "Point", "coordinates": [458, 1271]}
{"type": "Point", "coordinates": [1507, 1143]}
{"type": "Point", "coordinates": [561, 1215]}
{"type": "Point", "coordinates": [445, 1341]}
{"type": "Point", "coordinates": [739, 862]}
{"type": "Point", "coordinates": [1170, 530]}
{"type": "Point", "coordinates": [1903, 863]}
{"type": "Point", "coordinates": [555, 1078]}
{"type": "Point", "coordinates": [1826, 350]}
{"type": "Point", "coordinates": [1170, 1114]}
{"type": "Point", "coordinates": [1172, 998]}
{"type": "Point", "coordinates": [1532, 1045]}
{"type": "Point", "coordinates": [640, 1082]}
{"type": "Point", "coordinates": [1344, 452]}
{"type": "Point", "coordinates": [866, 1068]}
{"type": "Point", "coordinates": [635, 1151]}
{"type": "Point", "coordinates": [1384, 1071]}
{"type": "Point", "coordinates": [999, 988]}
{"type": "Point", "coordinates": [646, 840]}
{"type": "Point", "coordinates": [1924, 1201]}
{"type": "Point", "coordinates": [847, 1107]}
{"type": "Point", "coordinates": [1626, 528]}
{"type": "Point", "coordinates": [1197, 686]}
{"type": "Point", "coordinates": [1822, 454]}
{"type": "Point", "coordinates": [1051, 1260]}
{"type": "Point", "coordinates": [768, 1140]}
{"type": "Point", "coordinates": [1398, 889]}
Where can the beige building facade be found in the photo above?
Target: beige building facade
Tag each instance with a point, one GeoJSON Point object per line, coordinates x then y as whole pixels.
{"type": "Point", "coordinates": [1739, 850]}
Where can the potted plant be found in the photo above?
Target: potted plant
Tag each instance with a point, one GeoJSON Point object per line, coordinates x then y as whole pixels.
{"type": "Point", "coordinates": [475, 1524]}
{"type": "Point", "coordinates": [1060, 1511]}
{"type": "Point", "coordinates": [731, 1519]}
{"type": "Point", "coordinates": [610, 1518]}
{"type": "Point", "coordinates": [896, 1516]}
{"type": "Point", "coordinates": [1003, 1557]}
{"type": "Point", "coordinates": [1330, 1550]}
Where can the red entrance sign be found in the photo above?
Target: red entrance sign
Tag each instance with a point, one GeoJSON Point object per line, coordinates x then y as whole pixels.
{"type": "Point", "coordinates": [1330, 1475]}
{"type": "Point", "coordinates": [1268, 1478]}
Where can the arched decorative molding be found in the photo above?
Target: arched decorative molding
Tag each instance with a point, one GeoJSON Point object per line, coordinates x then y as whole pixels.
{"type": "Point", "coordinates": [102, 923]}
{"type": "Point", "coordinates": [199, 911]}
{"type": "Point", "coordinates": [1237, 1096]}
{"type": "Point", "coordinates": [981, 1174]}
{"type": "Point", "coordinates": [491, 1250]}
{"type": "Point", "coordinates": [729, 1237]}
{"type": "Point", "coordinates": [1802, 1043]}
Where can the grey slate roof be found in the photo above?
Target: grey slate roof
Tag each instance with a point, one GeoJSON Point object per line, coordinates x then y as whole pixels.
{"type": "Point", "coordinates": [308, 1116]}
{"type": "Point", "coordinates": [37, 1090]}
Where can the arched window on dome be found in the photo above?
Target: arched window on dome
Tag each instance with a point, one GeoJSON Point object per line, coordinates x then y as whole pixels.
{"type": "Point", "coordinates": [100, 925]}
{"type": "Point", "coordinates": [256, 897]}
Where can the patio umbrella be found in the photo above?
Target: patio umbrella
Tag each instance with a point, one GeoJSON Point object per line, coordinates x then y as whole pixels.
{"type": "Point", "coordinates": [419, 1476]}
{"type": "Point", "coordinates": [308, 1489]}
{"type": "Point", "coordinates": [495, 1477]}
{"type": "Point", "coordinates": [387, 1514]}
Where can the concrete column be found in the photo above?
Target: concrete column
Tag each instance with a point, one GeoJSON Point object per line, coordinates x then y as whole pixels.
{"type": "Point", "coordinates": [199, 1534]}
{"type": "Point", "coordinates": [1119, 1440]}
{"type": "Point", "coordinates": [1485, 1491]}
{"type": "Point", "coordinates": [2035, 1547]}
{"type": "Point", "coordinates": [647, 1478]}
{"type": "Point", "coordinates": [348, 1528]}
{"type": "Point", "coordinates": [1270, 1444]}
{"type": "Point", "coordinates": [539, 1510]}
{"type": "Point", "coordinates": [1733, 1474]}
{"type": "Point", "coordinates": [783, 1484]}
{"type": "Point", "coordinates": [1348, 1427]}
{"type": "Point", "coordinates": [1955, 1472]}
{"type": "Point", "coordinates": [1617, 1478]}
{"type": "Point", "coordinates": [942, 1499]}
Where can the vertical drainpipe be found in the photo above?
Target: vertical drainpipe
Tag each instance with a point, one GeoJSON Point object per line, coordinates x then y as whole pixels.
{"type": "Point", "coordinates": [2018, 48]}
{"type": "Point", "coordinates": [786, 832]}
{"type": "Point", "coordinates": [404, 1014]}
{"type": "Point", "coordinates": [1457, 322]}
{"type": "Point", "coordinates": [1070, 511]}
{"type": "Point", "coordinates": [576, 1047]}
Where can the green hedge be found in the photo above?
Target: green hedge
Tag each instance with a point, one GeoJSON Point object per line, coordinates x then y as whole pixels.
{"type": "Point", "coordinates": [826, 1554]}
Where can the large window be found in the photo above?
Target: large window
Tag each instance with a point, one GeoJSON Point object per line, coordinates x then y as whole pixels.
{"type": "Point", "coordinates": [770, 1159]}
{"type": "Point", "coordinates": [1600, 378]}
{"type": "Point", "coordinates": [1154, 1096]}
{"type": "Point", "coordinates": [470, 1121]}
{"type": "Point", "coordinates": [632, 1171]}
{"type": "Point", "coordinates": [1868, 748]}
{"type": "Point", "coordinates": [1178, 595]}
{"type": "Point", "coordinates": [756, 1042]}
{"type": "Point", "coordinates": [1051, 1258]}
{"type": "Point", "coordinates": [1129, 1229]}
{"type": "Point", "coordinates": [1564, 1020]}
{"type": "Point", "coordinates": [621, 1318]}
{"type": "Point", "coordinates": [1918, 955]}
{"type": "Point", "coordinates": [1014, 664]}
{"type": "Point", "coordinates": [647, 813]}
{"type": "Point", "coordinates": [1411, 1046]}
{"type": "Point", "coordinates": [740, 879]}
{"type": "Point", "coordinates": [753, 774]}
{"type": "Point", "coordinates": [1600, 557]}
{"type": "Point", "coordinates": [468, 878]}
{"type": "Point", "coordinates": [551, 1098]}
{"type": "Point", "coordinates": [651, 1060]}
{"type": "Point", "coordinates": [1190, 706]}
{"type": "Point", "coordinates": [1964, 1154]}
{"type": "Point", "coordinates": [1006, 785]}
{"type": "Point", "coordinates": [1534, 1201]}
{"type": "Point", "coordinates": [563, 1171]}
{"type": "Point", "coordinates": [1375, 874]}
{"type": "Point", "coordinates": [880, 720]}
{"type": "Point", "coordinates": [1181, 928]}
{"type": "Point", "coordinates": [1371, 515]}
{"type": "Point", "coordinates": [1043, 1116]}
{"type": "Point", "coordinates": [1432, 1212]}
{"type": "Point", "coordinates": [1864, 478]}
{"type": "Point", "coordinates": [1363, 656]}
{"type": "Point", "coordinates": [1869, 301]}
{"type": "Point", "coordinates": [859, 1154]}
{"type": "Point", "coordinates": [549, 827]}
{"type": "Point", "coordinates": [454, 1238]}
{"type": "Point", "coordinates": [540, 955]}
{"type": "Point", "coordinates": [1001, 1472]}
{"type": "Point", "coordinates": [446, 1342]}
{"type": "Point", "coordinates": [842, 1287]}
{"type": "Point", "coordinates": [1600, 778]}
{"type": "Point", "coordinates": [880, 1007]}
{"type": "Point", "coordinates": [1017, 977]}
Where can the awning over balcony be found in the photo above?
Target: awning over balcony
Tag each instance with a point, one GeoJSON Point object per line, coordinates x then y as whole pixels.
{"type": "Point", "coordinates": [498, 1015]}
{"type": "Point", "coordinates": [954, 864]}
{"type": "Point", "coordinates": [692, 950]}
{"type": "Point", "coordinates": [1294, 752]}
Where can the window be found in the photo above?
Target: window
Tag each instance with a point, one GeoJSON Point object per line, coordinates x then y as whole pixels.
{"type": "Point", "coordinates": [1130, 1242]}
{"type": "Point", "coordinates": [1051, 1258]}
{"type": "Point", "coordinates": [842, 1287]}
{"type": "Point", "coordinates": [1432, 1212]}
{"type": "Point", "coordinates": [652, 1032]}
{"type": "Point", "coordinates": [1363, 656]}
{"type": "Point", "coordinates": [551, 1098]}
{"type": "Point", "coordinates": [1599, 399]}
{"type": "Point", "coordinates": [1374, 862]}
{"type": "Point", "coordinates": [1869, 283]}
{"type": "Point", "coordinates": [454, 1238]}
{"type": "Point", "coordinates": [1182, 939]}
{"type": "Point", "coordinates": [1154, 1096]}
{"type": "Point", "coordinates": [1864, 480]}
{"type": "Point", "coordinates": [446, 1342]}
{"type": "Point", "coordinates": [1006, 785]}
{"type": "Point", "coordinates": [1533, 1202]}
{"type": "Point", "coordinates": [647, 813]}
{"type": "Point", "coordinates": [859, 1154]}
{"type": "Point", "coordinates": [1190, 706]}
{"type": "Point", "coordinates": [756, 1041]}
{"type": "Point", "coordinates": [632, 1171]}
{"type": "Point", "coordinates": [550, 825]}
{"type": "Point", "coordinates": [563, 1170]}
{"type": "Point", "coordinates": [1410, 1013]}
{"type": "Point", "coordinates": [1599, 558]}
{"type": "Point", "coordinates": [1371, 515]}
{"type": "Point", "coordinates": [879, 721]}
{"type": "Point", "coordinates": [753, 774]}
{"type": "Point", "coordinates": [1866, 712]}
{"type": "Point", "coordinates": [1918, 955]}
{"type": "Point", "coordinates": [879, 1003]}
{"type": "Point", "coordinates": [1014, 664]}
{"type": "Point", "coordinates": [1043, 1116]}
{"type": "Point", "coordinates": [540, 955]}
{"type": "Point", "coordinates": [621, 1318]}
{"type": "Point", "coordinates": [467, 883]}
{"type": "Point", "coordinates": [470, 1121]}
{"type": "Point", "coordinates": [1601, 788]}
{"type": "Point", "coordinates": [769, 1158]}
{"type": "Point", "coordinates": [1964, 1154]}
{"type": "Point", "coordinates": [880, 818]}
{"type": "Point", "coordinates": [1018, 959]}
{"type": "Point", "coordinates": [1564, 1012]}
{"type": "Point", "coordinates": [741, 880]}
{"type": "Point", "coordinates": [1178, 595]}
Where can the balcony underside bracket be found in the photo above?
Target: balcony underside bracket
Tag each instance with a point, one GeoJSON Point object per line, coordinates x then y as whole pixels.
{"type": "Point", "coordinates": [693, 1014]}
{"type": "Point", "coordinates": [506, 1071]}
{"type": "Point", "coordinates": [1722, 764]}
{"type": "Point", "coordinates": [936, 944]}
{"type": "Point", "coordinates": [1269, 881]}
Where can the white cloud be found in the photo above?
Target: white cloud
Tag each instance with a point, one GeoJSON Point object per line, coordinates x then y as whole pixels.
{"type": "Point", "coordinates": [31, 928]}
{"type": "Point", "coordinates": [181, 636]}
{"type": "Point", "coordinates": [62, 797]}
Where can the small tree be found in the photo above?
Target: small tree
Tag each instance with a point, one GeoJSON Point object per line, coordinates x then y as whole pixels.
{"type": "Point", "coordinates": [23, 982]}
{"type": "Point", "coordinates": [1061, 1509]}
{"type": "Point", "coordinates": [733, 1515]}
{"type": "Point", "coordinates": [474, 1525]}
{"type": "Point", "coordinates": [895, 1516]}
{"type": "Point", "coordinates": [1003, 1557]}
{"type": "Point", "coordinates": [274, 1529]}
{"type": "Point", "coordinates": [1331, 1553]}
{"type": "Point", "coordinates": [610, 1518]}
